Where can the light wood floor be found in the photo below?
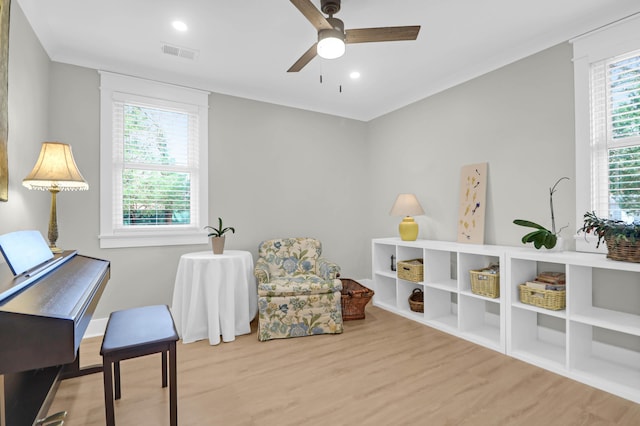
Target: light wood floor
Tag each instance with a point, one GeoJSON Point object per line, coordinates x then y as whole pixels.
{"type": "Point", "coordinates": [384, 370]}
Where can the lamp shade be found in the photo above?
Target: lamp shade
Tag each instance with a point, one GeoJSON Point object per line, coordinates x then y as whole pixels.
{"type": "Point", "coordinates": [406, 205]}
{"type": "Point", "coordinates": [55, 169]}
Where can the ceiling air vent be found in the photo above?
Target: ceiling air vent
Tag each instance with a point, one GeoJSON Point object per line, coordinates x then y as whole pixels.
{"type": "Point", "coordinates": [181, 52]}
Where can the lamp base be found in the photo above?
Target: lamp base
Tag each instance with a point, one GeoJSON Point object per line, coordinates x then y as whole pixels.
{"type": "Point", "coordinates": [408, 229]}
{"type": "Point", "coordinates": [55, 250]}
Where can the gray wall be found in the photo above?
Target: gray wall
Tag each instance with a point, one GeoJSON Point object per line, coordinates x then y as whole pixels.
{"type": "Point", "coordinates": [518, 118]}
{"type": "Point", "coordinates": [273, 171]}
{"type": "Point", "coordinates": [29, 68]}
{"type": "Point", "coordinates": [277, 171]}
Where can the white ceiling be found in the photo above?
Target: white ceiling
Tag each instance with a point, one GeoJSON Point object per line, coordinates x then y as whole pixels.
{"type": "Point", "coordinates": [245, 46]}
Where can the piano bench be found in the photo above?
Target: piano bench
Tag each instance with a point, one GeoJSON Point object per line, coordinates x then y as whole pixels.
{"type": "Point", "coordinates": [135, 332]}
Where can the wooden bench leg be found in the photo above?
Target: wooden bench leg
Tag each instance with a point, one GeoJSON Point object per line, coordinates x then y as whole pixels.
{"type": "Point", "coordinates": [116, 373]}
{"type": "Point", "coordinates": [108, 392]}
{"type": "Point", "coordinates": [164, 369]}
{"type": "Point", "coordinates": [173, 385]}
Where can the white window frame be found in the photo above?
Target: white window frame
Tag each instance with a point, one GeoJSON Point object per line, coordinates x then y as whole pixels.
{"type": "Point", "coordinates": [116, 87]}
{"type": "Point", "coordinates": [613, 40]}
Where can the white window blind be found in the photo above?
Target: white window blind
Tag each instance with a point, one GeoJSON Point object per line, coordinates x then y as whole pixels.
{"type": "Point", "coordinates": [153, 163]}
{"type": "Point", "coordinates": [615, 137]}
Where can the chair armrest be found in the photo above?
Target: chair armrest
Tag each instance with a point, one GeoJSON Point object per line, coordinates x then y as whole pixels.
{"type": "Point", "coordinates": [327, 269]}
{"type": "Point", "coordinates": [261, 272]}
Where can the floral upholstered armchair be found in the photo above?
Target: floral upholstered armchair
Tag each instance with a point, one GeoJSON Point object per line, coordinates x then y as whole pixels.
{"type": "Point", "coordinates": [298, 290]}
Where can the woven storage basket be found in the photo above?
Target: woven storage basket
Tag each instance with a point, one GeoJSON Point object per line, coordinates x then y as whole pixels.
{"type": "Point", "coordinates": [548, 299]}
{"type": "Point", "coordinates": [411, 270]}
{"type": "Point", "coordinates": [485, 284]}
{"type": "Point", "coordinates": [416, 300]}
{"type": "Point", "coordinates": [623, 250]}
{"type": "Point", "coordinates": [355, 296]}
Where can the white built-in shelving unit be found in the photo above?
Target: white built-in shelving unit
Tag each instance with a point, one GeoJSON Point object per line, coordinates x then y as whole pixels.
{"type": "Point", "coordinates": [449, 304]}
{"type": "Point", "coordinates": [595, 340]}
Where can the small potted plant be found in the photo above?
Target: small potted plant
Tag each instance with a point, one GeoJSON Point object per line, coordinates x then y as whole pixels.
{"type": "Point", "coordinates": [542, 237]}
{"type": "Point", "coordinates": [622, 238]}
{"type": "Point", "coordinates": [217, 236]}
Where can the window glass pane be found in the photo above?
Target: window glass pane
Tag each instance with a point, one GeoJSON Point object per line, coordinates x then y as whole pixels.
{"type": "Point", "coordinates": [152, 197]}
{"type": "Point", "coordinates": [624, 183]}
{"type": "Point", "coordinates": [624, 98]}
{"type": "Point", "coordinates": [155, 136]}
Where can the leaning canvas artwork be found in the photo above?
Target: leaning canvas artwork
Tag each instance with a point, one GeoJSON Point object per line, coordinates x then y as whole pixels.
{"type": "Point", "coordinates": [472, 207]}
{"type": "Point", "coordinates": [4, 93]}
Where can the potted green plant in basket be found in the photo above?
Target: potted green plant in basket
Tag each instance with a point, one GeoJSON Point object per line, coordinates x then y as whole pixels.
{"type": "Point", "coordinates": [622, 238]}
{"type": "Point", "coordinates": [542, 237]}
{"type": "Point", "coordinates": [217, 236]}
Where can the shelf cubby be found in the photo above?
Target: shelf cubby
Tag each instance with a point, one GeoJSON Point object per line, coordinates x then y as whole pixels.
{"type": "Point", "coordinates": [539, 338]}
{"type": "Point", "coordinates": [441, 308]}
{"type": "Point", "coordinates": [605, 357]}
{"type": "Point", "coordinates": [439, 270]}
{"type": "Point", "coordinates": [405, 288]}
{"type": "Point", "coordinates": [385, 291]}
{"type": "Point", "coordinates": [480, 321]}
{"type": "Point", "coordinates": [471, 261]}
{"type": "Point", "coordinates": [382, 259]}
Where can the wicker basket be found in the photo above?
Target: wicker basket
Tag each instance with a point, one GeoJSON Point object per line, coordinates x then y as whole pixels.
{"type": "Point", "coordinates": [411, 270]}
{"type": "Point", "coordinates": [355, 296]}
{"type": "Point", "coordinates": [554, 300]}
{"type": "Point", "coordinates": [485, 284]}
{"type": "Point", "coordinates": [623, 250]}
{"type": "Point", "coordinates": [416, 300]}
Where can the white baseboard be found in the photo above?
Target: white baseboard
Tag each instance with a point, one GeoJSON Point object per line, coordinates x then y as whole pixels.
{"type": "Point", "coordinates": [96, 327]}
{"type": "Point", "coordinates": [367, 282]}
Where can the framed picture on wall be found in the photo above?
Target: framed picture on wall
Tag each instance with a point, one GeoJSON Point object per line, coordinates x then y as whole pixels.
{"type": "Point", "coordinates": [5, 6]}
{"type": "Point", "coordinates": [472, 207]}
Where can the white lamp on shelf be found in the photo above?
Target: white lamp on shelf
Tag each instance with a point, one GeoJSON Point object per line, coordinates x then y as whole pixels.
{"type": "Point", "coordinates": [407, 205]}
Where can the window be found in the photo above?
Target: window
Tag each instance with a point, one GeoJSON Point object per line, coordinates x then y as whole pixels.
{"type": "Point", "coordinates": [153, 152]}
{"type": "Point", "coordinates": [607, 94]}
{"type": "Point", "coordinates": [615, 136]}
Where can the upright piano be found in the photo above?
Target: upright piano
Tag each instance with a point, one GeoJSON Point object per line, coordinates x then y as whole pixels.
{"type": "Point", "coordinates": [41, 327]}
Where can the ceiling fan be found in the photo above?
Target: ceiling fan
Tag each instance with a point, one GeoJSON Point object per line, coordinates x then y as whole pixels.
{"type": "Point", "coordinates": [332, 36]}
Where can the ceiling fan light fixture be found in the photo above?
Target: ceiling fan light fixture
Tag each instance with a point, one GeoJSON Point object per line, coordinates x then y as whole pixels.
{"type": "Point", "coordinates": [330, 47]}
{"type": "Point", "coordinates": [331, 42]}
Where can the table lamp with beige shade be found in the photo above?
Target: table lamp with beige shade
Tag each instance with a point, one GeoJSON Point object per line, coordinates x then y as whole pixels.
{"type": "Point", "coordinates": [407, 205]}
{"type": "Point", "coordinates": [55, 171]}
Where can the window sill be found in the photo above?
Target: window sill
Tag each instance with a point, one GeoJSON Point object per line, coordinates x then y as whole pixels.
{"type": "Point", "coordinates": [151, 240]}
{"type": "Point", "coordinates": [587, 243]}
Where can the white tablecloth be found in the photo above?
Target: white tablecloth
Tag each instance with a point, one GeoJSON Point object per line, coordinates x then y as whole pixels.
{"type": "Point", "coordinates": [214, 295]}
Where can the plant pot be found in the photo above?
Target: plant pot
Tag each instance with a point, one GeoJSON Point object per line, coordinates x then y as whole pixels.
{"type": "Point", "coordinates": [625, 251]}
{"type": "Point", "coordinates": [559, 245]}
{"type": "Point", "coordinates": [217, 243]}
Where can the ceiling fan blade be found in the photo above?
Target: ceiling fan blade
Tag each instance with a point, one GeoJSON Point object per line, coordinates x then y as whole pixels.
{"type": "Point", "coordinates": [368, 35]}
{"type": "Point", "coordinates": [314, 16]}
{"type": "Point", "coordinates": [304, 59]}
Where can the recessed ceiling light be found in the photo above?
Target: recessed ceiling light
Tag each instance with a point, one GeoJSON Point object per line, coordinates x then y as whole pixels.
{"type": "Point", "coordinates": [354, 75]}
{"type": "Point", "coordinates": [179, 25]}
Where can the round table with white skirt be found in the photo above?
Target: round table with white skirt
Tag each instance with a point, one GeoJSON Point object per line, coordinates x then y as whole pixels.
{"type": "Point", "coordinates": [214, 295]}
